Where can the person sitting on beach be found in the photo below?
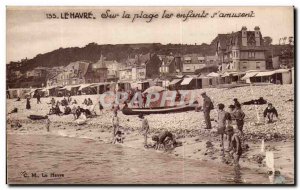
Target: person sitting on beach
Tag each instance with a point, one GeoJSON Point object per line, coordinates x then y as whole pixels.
{"type": "Point", "coordinates": [74, 102]}
{"type": "Point", "coordinates": [85, 101]}
{"type": "Point", "coordinates": [89, 102]}
{"type": "Point", "coordinates": [223, 121]}
{"type": "Point", "coordinates": [57, 110]}
{"type": "Point", "coordinates": [163, 139]}
{"type": "Point", "coordinates": [81, 119]}
{"type": "Point", "coordinates": [145, 128]}
{"type": "Point", "coordinates": [78, 112]}
{"type": "Point", "coordinates": [118, 137]}
{"type": "Point", "coordinates": [269, 113]}
{"type": "Point", "coordinates": [235, 145]}
{"type": "Point", "coordinates": [64, 102]}
{"type": "Point", "coordinates": [67, 110]}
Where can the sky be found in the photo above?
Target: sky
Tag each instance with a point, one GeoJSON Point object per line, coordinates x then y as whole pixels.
{"type": "Point", "coordinates": [29, 32]}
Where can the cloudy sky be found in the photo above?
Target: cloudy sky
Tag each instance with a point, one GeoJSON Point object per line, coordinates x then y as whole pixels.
{"type": "Point", "coordinates": [29, 32]}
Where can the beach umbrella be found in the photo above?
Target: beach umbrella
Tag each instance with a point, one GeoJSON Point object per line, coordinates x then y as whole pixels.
{"type": "Point", "coordinates": [154, 89]}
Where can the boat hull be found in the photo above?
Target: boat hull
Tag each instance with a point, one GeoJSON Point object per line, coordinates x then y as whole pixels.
{"type": "Point", "coordinates": [133, 111]}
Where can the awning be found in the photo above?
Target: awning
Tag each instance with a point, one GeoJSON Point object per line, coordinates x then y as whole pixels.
{"type": "Point", "coordinates": [175, 81]}
{"type": "Point", "coordinates": [213, 74]}
{"type": "Point", "coordinates": [281, 71]}
{"type": "Point", "coordinates": [186, 81]}
{"type": "Point", "coordinates": [249, 75]}
{"type": "Point", "coordinates": [84, 86]}
{"type": "Point", "coordinates": [268, 73]}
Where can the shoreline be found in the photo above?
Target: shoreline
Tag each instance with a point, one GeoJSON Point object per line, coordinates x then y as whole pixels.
{"type": "Point", "coordinates": [188, 127]}
{"type": "Point", "coordinates": [193, 148]}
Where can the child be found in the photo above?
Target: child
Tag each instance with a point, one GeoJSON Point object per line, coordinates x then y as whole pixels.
{"type": "Point", "coordinates": [239, 116]}
{"type": "Point", "coordinates": [100, 107]}
{"type": "Point", "coordinates": [115, 124]}
{"type": "Point", "coordinates": [47, 123]}
{"type": "Point", "coordinates": [224, 119]}
{"type": "Point", "coordinates": [118, 137]}
{"type": "Point", "coordinates": [269, 112]}
{"type": "Point", "coordinates": [162, 140]}
{"type": "Point", "coordinates": [145, 128]}
{"type": "Point", "coordinates": [235, 145]}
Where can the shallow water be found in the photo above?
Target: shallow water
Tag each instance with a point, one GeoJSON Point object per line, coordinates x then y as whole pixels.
{"type": "Point", "coordinates": [89, 162]}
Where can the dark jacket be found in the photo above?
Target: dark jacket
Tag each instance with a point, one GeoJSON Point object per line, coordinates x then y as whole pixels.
{"type": "Point", "coordinates": [270, 110]}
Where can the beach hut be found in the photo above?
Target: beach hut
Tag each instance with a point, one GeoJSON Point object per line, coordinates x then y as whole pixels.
{"type": "Point", "coordinates": [175, 83]}
{"type": "Point", "coordinates": [283, 76]}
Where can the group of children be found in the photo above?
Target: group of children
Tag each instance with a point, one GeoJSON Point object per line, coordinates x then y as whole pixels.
{"type": "Point", "coordinates": [235, 117]}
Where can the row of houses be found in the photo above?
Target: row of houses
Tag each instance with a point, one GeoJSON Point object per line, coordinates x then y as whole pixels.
{"type": "Point", "coordinates": [236, 53]}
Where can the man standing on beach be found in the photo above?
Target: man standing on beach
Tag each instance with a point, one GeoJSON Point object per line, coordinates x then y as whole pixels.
{"type": "Point", "coordinates": [38, 98]}
{"type": "Point", "coordinates": [206, 107]}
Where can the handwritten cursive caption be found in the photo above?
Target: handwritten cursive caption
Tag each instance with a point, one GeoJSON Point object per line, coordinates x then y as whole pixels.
{"type": "Point", "coordinates": [148, 16]}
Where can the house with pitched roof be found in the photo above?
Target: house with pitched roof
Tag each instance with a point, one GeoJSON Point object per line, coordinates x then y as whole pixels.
{"type": "Point", "coordinates": [241, 51]}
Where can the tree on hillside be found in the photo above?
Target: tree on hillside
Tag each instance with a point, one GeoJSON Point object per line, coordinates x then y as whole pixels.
{"type": "Point", "coordinates": [267, 40]}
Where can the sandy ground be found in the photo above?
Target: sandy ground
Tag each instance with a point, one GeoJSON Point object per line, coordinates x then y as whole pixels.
{"type": "Point", "coordinates": [187, 127]}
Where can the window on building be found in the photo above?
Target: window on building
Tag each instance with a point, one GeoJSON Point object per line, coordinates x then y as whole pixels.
{"type": "Point", "coordinates": [251, 54]}
{"type": "Point", "coordinates": [244, 65]}
{"type": "Point", "coordinates": [257, 65]}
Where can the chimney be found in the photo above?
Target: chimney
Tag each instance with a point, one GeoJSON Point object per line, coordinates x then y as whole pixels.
{"type": "Point", "coordinates": [257, 35]}
{"type": "Point", "coordinates": [244, 36]}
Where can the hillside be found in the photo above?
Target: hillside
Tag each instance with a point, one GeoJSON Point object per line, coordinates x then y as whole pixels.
{"type": "Point", "coordinates": [92, 52]}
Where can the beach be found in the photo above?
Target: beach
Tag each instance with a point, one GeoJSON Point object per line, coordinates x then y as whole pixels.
{"type": "Point", "coordinates": [188, 127]}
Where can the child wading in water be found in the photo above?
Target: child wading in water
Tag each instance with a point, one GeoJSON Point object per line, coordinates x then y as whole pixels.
{"type": "Point", "coordinates": [115, 124]}
{"type": "Point", "coordinates": [235, 145]}
{"type": "Point", "coordinates": [48, 122]}
{"type": "Point", "coordinates": [145, 128]}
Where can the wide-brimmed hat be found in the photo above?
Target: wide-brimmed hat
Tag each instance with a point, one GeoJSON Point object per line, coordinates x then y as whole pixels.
{"type": "Point", "coordinates": [203, 93]}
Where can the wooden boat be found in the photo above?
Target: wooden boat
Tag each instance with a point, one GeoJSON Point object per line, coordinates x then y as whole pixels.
{"type": "Point", "coordinates": [159, 110]}
{"type": "Point", "coordinates": [36, 117]}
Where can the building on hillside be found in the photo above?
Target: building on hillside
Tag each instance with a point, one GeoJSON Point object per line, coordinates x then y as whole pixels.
{"type": "Point", "coordinates": [97, 72]}
{"type": "Point", "coordinates": [192, 62]}
{"type": "Point", "coordinates": [113, 68]}
{"type": "Point", "coordinates": [72, 74]}
{"type": "Point", "coordinates": [37, 72]}
{"type": "Point", "coordinates": [167, 64]}
{"type": "Point", "coordinates": [125, 74]}
{"type": "Point", "coordinates": [241, 51]}
{"type": "Point", "coordinates": [138, 73]}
